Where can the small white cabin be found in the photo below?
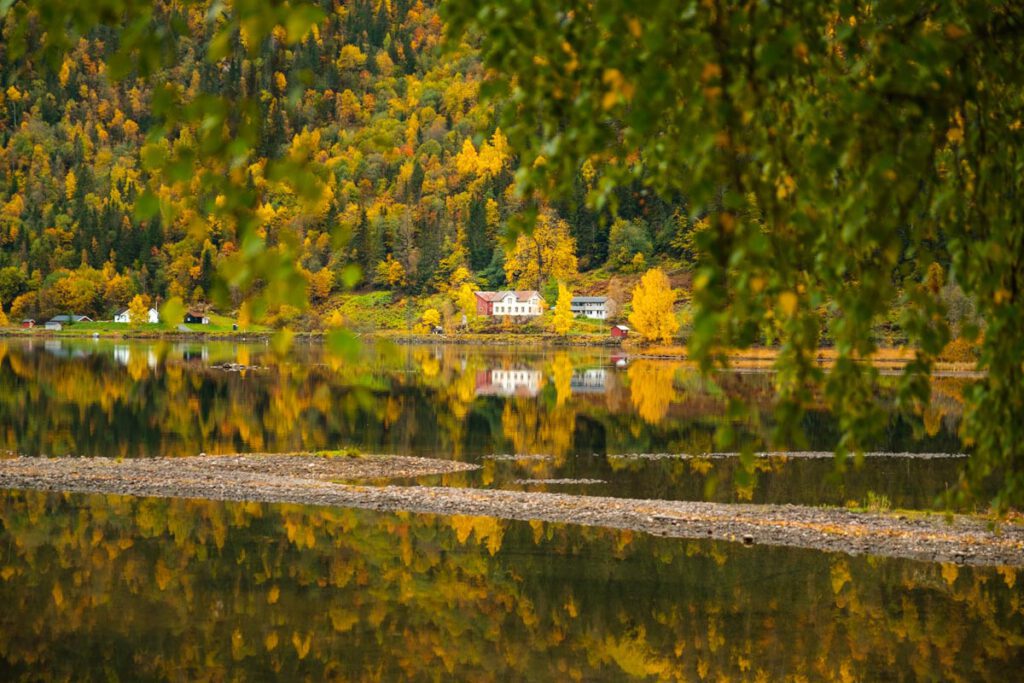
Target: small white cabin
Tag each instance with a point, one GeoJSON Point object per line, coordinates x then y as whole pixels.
{"type": "Point", "coordinates": [153, 316]}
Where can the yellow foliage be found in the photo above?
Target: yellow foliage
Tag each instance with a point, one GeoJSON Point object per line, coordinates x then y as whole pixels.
{"type": "Point", "coordinates": [638, 261]}
{"type": "Point", "coordinates": [562, 321]}
{"type": "Point", "coordinates": [465, 299]}
{"type": "Point", "coordinates": [493, 213]}
{"type": "Point", "coordinates": [950, 572]}
{"type": "Point", "coordinates": [492, 156]}
{"type": "Point", "coordinates": [301, 644]}
{"type": "Point", "coordinates": [14, 207]}
{"type": "Point", "coordinates": [391, 272]}
{"type": "Point", "coordinates": [65, 70]}
{"type": "Point", "coordinates": [237, 645]}
{"type": "Point", "coordinates": [70, 185]}
{"type": "Point", "coordinates": [460, 276]}
{"type": "Point", "coordinates": [320, 284]}
{"type": "Point", "coordinates": [431, 318]}
{"type": "Point", "coordinates": [840, 576]}
{"type": "Point", "coordinates": [350, 57]}
{"type": "Point", "coordinates": [619, 89]}
{"type": "Point", "coordinates": [336, 319]}
{"type": "Point", "coordinates": [488, 531]}
{"type": "Point", "coordinates": [652, 388]}
{"type": "Point", "coordinates": [4, 321]}
{"type": "Point", "coordinates": [653, 314]}
{"type": "Point", "coordinates": [561, 377]}
{"type": "Point", "coordinates": [138, 310]}
{"type": "Point", "coordinates": [466, 161]}
{"type": "Point", "coordinates": [549, 252]}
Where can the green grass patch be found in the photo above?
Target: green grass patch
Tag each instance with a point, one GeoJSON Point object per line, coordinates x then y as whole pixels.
{"type": "Point", "coordinates": [345, 452]}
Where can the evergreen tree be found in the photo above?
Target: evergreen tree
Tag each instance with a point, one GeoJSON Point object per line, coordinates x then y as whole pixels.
{"type": "Point", "coordinates": [480, 246]}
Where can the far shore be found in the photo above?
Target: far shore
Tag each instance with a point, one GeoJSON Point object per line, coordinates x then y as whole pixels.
{"type": "Point", "coordinates": [316, 480]}
{"type": "Point", "coordinates": [890, 358]}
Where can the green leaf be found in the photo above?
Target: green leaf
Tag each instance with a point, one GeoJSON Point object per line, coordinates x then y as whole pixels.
{"type": "Point", "coordinates": [172, 313]}
{"type": "Point", "coordinates": [343, 343]}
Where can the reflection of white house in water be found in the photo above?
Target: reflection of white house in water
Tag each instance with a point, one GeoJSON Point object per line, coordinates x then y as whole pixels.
{"type": "Point", "coordinates": [122, 354]}
{"type": "Point", "coordinates": [511, 382]}
{"type": "Point", "coordinates": [55, 347]}
{"type": "Point", "coordinates": [590, 381]}
{"type": "Point", "coordinates": [190, 353]}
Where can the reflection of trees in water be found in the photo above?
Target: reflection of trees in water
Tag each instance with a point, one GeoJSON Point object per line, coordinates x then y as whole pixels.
{"type": "Point", "coordinates": [652, 388]}
{"type": "Point", "coordinates": [153, 401]}
{"type": "Point", "coordinates": [190, 589]}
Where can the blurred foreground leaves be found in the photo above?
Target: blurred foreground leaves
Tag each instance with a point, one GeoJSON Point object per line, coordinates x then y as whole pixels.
{"type": "Point", "coordinates": [829, 154]}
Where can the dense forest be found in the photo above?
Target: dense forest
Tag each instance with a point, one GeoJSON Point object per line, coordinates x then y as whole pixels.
{"type": "Point", "coordinates": [421, 181]}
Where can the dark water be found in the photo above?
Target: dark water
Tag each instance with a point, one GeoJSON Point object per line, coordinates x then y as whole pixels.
{"type": "Point", "coordinates": [121, 588]}
{"type": "Point", "coordinates": [115, 588]}
{"type": "Point", "coordinates": [574, 409]}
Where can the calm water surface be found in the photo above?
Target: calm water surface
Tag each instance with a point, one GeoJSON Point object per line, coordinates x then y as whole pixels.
{"type": "Point", "coordinates": [115, 588]}
{"type": "Point", "coordinates": [120, 588]}
{"type": "Point", "coordinates": [579, 414]}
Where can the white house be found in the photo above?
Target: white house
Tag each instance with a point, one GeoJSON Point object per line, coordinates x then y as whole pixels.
{"type": "Point", "coordinates": [508, 303]}
{"type": "Point", "coordinates": [590, 306]}
{"type": "Point", "coordinates": [125, 316]}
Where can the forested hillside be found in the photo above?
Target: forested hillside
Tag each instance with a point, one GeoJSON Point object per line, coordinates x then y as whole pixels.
{"type": "Point", "coordinates": [420, 181]}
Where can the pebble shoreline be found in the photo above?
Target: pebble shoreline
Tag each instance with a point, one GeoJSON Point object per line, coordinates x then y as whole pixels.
{"type": "Point", "coordinates": [313, 480]}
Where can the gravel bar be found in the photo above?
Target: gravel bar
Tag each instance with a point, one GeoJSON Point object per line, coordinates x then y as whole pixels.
{"type": "Point", "coordinates": [313, 480]}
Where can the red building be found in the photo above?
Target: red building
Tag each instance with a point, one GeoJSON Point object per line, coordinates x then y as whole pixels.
{"type": "Point", "coordinates": [519, 303]}
{"type": "Point", "coordinates": [28, 323]}
{"type": "Point", "coordinates": [485, 302]}
{"type": "Point", "coordinates": [620, 331]}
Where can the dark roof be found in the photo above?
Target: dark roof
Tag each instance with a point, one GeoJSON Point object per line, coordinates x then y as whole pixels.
{"type": "Point", "coordinates": [589, 299]}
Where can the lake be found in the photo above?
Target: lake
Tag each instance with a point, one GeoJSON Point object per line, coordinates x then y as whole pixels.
{"type": "Point", "coordinates": [121, 588]}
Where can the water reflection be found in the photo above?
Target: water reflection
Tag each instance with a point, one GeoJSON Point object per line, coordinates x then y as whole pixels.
{"type": "Point", "coordinates": [523, 382]}
{"type": "Point", "coordinates": [113, 587]}
{"type": "Point", "coordinates": [589, 381]}
{"type": "Point", "coordinates": [133, 399]}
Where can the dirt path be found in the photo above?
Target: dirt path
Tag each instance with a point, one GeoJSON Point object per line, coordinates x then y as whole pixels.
{"type": "Point", "coordinates": [312, 480]}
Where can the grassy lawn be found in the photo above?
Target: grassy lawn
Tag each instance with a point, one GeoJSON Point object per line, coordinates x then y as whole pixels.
{"type": "Point", "coordinates": [109, 327]}
{"type": "Point", "coordinates": [218, 324]}
{"type": "Point", "coordinates": [378, 310]}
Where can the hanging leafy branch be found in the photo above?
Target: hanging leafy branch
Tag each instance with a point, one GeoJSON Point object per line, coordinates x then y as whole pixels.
{"type": "Point", "coordinates": [837, 153]}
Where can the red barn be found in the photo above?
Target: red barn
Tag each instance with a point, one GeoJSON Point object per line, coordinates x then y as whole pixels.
{"type": "Point", "coordinates": [485, 302]}
{"type": "Point", "coordinates": [28, 323]}
{"type": "Point", "coordinates": [620, 331]}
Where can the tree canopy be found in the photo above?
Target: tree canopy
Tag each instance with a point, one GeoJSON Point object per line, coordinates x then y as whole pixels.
{"type": "Point", "coordinates": [836, 151]}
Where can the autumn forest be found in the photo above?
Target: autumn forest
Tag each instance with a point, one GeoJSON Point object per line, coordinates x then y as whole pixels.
{"type": "Point", "coordinates": [421, 179]}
